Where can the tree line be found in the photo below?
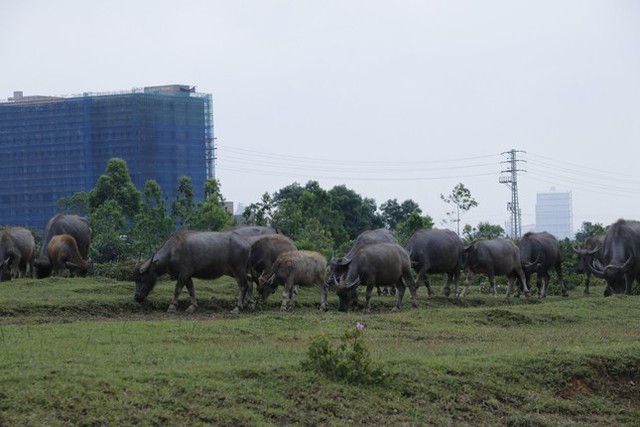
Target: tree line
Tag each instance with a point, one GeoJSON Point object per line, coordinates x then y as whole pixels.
{"type": "Point", "coordinates": [128, 223]}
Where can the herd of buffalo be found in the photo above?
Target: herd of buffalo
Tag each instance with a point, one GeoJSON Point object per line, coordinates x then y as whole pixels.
{"type": "Point", "coordinates": [262, 256]}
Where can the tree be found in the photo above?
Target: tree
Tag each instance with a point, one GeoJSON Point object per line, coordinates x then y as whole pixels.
{"type": "Point", "coordinates": [152, 226]}
{"type": "Point", "coordinates": [113, 204]}
{"type": "Point", "coordinates": [210, 214]}
{"type": "Point", "coordinates": [77, 203]}
{"type": "Point", "coordinates": [589, 229]}
{"type": "Point", "coordinates": [394, 213]}
{"type": "Point", "coordinates": [359, 214]}
{"type": "Point", "coordinates": [414, 222]}
{"type": "Point", "coordinates": [183, 206]}
{"type": "Point", "coordinates": [110, 241]}
{"type": "Point", "coordinates": [259, 213]}
{"type": "Point", "coordinates": [461, 201]}
{"type": "Point", "coordinates": [483, 231]}
{"type": "Point", "coordinates": [115, 184]}
{"type": "Point", "coordinates": [296, 207]}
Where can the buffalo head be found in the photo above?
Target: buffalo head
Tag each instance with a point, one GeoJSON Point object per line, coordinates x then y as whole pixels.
{"type": "Point", "coordinates": [583, 256]}
{"type": "Point", "coordinates": [43, 267]}
{"type": "Point", "coordinates": [338, 267]}
{"type": "Point", "coordinates": [347, 294]}
{"type": "Point", "coordinates": [146, 278]}
{"type": "Point", "coordinates": [266, 286]}
{"type": "Point", "coordinates": [77, 269]}
{"type": "Point", "coordinates": [617, 276]}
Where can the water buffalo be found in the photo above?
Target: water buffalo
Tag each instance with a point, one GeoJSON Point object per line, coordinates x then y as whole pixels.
{"type": "Point", "coordinates": [73, 225]}
{"type": "Point", "coordinates": [64, 255]}
{"type": "Point", "coordinates": [376, 264]}
{"type": "Point", "coordinates": [17, 252]}
{"type": "Point", "coordinates": [590, 252]}
{"type": "Point", "coordinates": [620, 257]}
{"type": "Point", "coordinates": [305, 268]}
{"type": "Point", "coordinates": [339, 266]}
{"type": "Point", "coordinates": [436, 251]}
{"type": "Point", "coordinates": [494, 257]}
{"type": "Point", "coordinates": [540, 252]}
{"type": "Point", "coordinates": [199, 254]}
{"type": "Point", "coordinates": [265, 249]}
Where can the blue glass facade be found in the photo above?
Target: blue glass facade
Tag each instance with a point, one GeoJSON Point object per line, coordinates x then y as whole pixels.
{"type": "Point", "coordinates": [53, 147]}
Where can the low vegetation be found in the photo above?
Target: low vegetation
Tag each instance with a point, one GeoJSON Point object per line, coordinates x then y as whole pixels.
{"type": "Point", "coordinates": [81, 352]}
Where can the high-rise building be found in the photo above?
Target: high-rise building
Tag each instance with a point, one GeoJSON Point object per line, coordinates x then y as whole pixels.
{"type": "Point", "coordinates": [53, 147]}
{"type": "Point", "coordinates": [554, 214]}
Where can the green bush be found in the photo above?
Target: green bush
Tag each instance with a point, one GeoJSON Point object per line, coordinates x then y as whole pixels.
{"type": "Point", "coordinates": [349, 362]}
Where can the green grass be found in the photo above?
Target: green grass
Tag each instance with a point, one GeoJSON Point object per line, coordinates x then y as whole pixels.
{"type": "Point", "coordinates": [81, 352]}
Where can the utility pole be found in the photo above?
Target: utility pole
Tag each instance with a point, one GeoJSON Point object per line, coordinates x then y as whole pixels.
{"type": "Point", "coordinates": [511, 181]}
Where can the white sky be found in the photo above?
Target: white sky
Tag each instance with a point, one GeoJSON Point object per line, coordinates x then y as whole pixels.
{"type": "Point", "coordinates": [399, 99]}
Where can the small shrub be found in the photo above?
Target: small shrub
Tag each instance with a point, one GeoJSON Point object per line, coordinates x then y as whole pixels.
{"type": "Point", "coordinates": [349, 361]}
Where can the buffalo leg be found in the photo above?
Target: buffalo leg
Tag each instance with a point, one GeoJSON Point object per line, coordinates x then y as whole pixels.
{"type": "Point", "coordinates": [447, 285]}
{"type": "Point", "coordinates": [492, 281]}
{"type": "Point", "coordinates": [565, 291]}
{"type": "Point", "coordinates": [192, 295]}
{"type": "Point", "coordinates": [287, 295]}
{"type": "Point", "coordinates": [523, 279]}
{"type": "Point", "coordinates": [324, 305]}
{"type": "Point", "coordinates": [470, 276]}
{"type": "Point", "coordinates": [425, 279]}
{"type": "Point", "coordinates": [286, 298]}
{"type": "Point", "coordinates": [587, 282]}
{"type": "Point", "coordinates": [176, 294]}
{"type": "Point", "coordinates": [369, 291]}
{"type": "Point", "coordinates": [408, 278]}
{"type": "Point", "coordinates": [400, 288]}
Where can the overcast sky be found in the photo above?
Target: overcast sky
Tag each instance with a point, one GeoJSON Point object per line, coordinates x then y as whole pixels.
{"type": "Point", "coordinates": [394, 99]}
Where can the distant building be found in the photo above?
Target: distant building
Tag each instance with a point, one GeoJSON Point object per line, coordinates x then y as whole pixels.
{"type": "Point", "coordinates": [554, 214]}
{"type": "Point", "coordinates": [53, 147]}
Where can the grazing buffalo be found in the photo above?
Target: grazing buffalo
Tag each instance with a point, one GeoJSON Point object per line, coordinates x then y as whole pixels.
{"type": "Point", "coordinates": [64, 255]}
{"type": "Point", "coordinates": [494, 257]}
{"type": "Point", "coordinates": [620, 257]}
{"type": "Point", "coordinates": [590, 253]}
{"type": "Point", "coordinates": [265, 249]}
{"type": "Point", "coordinates": [539, 253]}
{"type": "Point", "coordinates": [197, 254]}
{"type": "Point", "coordinates": [436, 251]}
{"type": "Point", "coordinates": [73, 225]}
{"type": "Point", "coordinates": [339, 266]}
{"type": "Point", "coordinates": [305, 268]}
{"type": "Point", "coordinates": [376, 264]}
{"type": "Point", "coordinates": [17, 252]}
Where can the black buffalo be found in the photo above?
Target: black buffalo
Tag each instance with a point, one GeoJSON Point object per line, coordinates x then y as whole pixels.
{"type": "Point", "coordinates": [265, 249]}
{"type": "Point", "coordinates": [620, 257]}
{"type": "Point", "coordinates": [74, 225]}
{"type": "Point", "coordinates": [199, 254]}
{"type": "Point", "coordinates": [494, 257]}
{"type": "Point", "coordinates": [590, 253]}
{"type": "Point", "coordinates": [338, 266]}
{"type": "Point", "coordinates": [17, 252]}
{"type": "Point", "coordinates": [539, 253]}
{"type": "Point", "coordinates": [376, 264]}
{"type": "Point", "coordinates": [436, 251]}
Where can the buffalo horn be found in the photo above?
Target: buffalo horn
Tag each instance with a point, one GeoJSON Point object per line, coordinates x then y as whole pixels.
{"type": "Point", "coordinates": [594, 269]}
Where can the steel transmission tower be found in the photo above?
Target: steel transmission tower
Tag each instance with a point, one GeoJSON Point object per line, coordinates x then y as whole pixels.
{"type": "Point", "coordinates": [511, 181]}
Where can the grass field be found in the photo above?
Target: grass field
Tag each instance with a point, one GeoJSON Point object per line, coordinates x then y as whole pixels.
{"type": "Point", "coordinates": [82, 352]}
